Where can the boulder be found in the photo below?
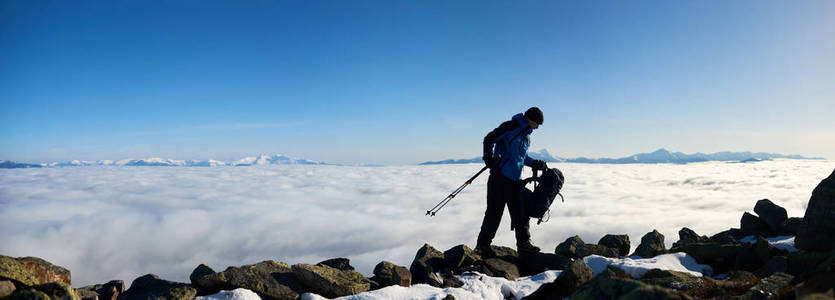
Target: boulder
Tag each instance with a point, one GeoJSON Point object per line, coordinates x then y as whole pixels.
{"type": "Point", "coordinates": [727, 237]}
{"type": "Point", "coordinates": [330, 282]}
{"type": "Point", "coordinates": [269, 279]}
{"type": "Point", "coordinates": [767, 287]}
{"type": "Point", "coordinates": [687, 236]}
{"type": "Point", "coordinates": [807, 261]}
{"type": "Point", "coordinates": [502, 268]}
{"type": "Point", "coordinates": [459, 256]}
{"type": "Point", "coordinates": [773, 215]}
{"type": "Point", "coordinates": [619, 242]}
{"type": "Point", "coordinates": [201, 280]}
{"type": "Point", "coordinates": [672, 279]}
{"type": "Point", "coordinates": [6, 288]}
{"type": "Point", "coordinates": [609, 285]}
{"type": "Point", "coordinates": [388, 274]}
{"type": "Point", "coordinates": [574, 247]}
{"type": "Point", "coordinates": [773, 265]}
{"type": "Point", "coordinates": [575, 275]}
{"type": "Point", "coordinates": [793, 225]}
{"type": "Point", "coordinates": [720, 257]}
{"type": "Point", "coordinates": [535, 263]}
{"type": "Point", "coordinates": [818, 230]}
{"type": "Point", "coordinates": [57, 290]}
{"type": "Point", "coordinates": [343, 264]}
{"type": "Point", "coordinates": [12, 270]}
{"type": "Point", "coordinates": [753, 225]}
{"type": "Point", "coordinates": [753, 256]}
{"type": "Point", "coordinates": [821, 285]}
{"type": "Point", "coordinates": [107, 291]}
{"type": "Point", "coordinates": [570, 247]}
{"type": "Point", "coordinates": [652, 244]}
{"type": "Point", "coordinates": [427, 261]}
{"type": "Point", "coordinates": [44, 271]}
{"type": "Point", "coordinates": [150, 286]}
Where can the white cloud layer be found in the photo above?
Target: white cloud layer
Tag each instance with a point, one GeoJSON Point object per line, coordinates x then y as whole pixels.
{"type": "Point", "coordinates": [107, 223]}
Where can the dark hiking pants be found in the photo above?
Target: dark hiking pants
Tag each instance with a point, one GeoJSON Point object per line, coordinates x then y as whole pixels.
{"type": "Point", "coordinates": [502, 191]}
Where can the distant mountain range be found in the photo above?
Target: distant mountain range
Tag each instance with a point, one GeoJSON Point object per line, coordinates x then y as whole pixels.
{"type": "Point", "coordinates": [659, 156]}
{"type": "Point", "coordinates": [162, 162]}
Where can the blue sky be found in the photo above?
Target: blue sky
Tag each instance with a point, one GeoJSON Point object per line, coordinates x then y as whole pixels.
{"type": "Point", "coordinates": [396, 82]}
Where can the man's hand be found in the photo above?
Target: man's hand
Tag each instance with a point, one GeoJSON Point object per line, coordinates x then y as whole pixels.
{"type": "Point", "coordinates": [539, 165]}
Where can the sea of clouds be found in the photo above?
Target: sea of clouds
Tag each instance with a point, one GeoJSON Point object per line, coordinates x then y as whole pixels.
{"type": "Point", "coordinates": [109, 222]}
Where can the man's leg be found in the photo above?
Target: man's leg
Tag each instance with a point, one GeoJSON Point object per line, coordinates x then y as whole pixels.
{"type": "Point", "coordinates": [520, 222]}
{"type": "Point", "coordinates": [493, 214]}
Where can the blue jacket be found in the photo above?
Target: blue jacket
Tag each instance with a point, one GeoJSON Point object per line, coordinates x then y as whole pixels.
{"type": "Point", "coordinates": [511, 141]}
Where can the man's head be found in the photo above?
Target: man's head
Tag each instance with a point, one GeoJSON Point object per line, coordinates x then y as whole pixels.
{"type": "Point", "coordinates": [534, 117]}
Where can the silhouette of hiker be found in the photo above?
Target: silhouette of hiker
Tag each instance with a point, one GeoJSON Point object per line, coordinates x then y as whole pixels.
{"type": "Point", "coordinates": [505, 152]}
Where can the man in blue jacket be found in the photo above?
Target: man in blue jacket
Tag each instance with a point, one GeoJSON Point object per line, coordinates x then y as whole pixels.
{"type": "Point", "coordinates": [505, 152]}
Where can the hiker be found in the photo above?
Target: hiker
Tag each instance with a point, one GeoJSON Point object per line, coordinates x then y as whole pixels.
{"type": "Point", "coordinates": [505, 152]}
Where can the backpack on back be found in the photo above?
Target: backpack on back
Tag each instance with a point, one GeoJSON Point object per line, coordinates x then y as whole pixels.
{"type": "Point", "coordinates": [537, 203]}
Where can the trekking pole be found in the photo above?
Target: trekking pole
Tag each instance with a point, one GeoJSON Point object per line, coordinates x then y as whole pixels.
{"type": "Point", "coordinates": [446, 200]}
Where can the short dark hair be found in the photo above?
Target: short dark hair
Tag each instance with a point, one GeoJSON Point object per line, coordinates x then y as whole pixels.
{"type": "Point", "coordinates": [535, 114]}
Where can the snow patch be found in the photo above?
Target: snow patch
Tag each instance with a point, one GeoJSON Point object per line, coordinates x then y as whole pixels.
{"type": "Point", "coordinates": [476, 286]}
{"type": "Point", "coordinates": [637, 267]}
{"type": "Point", "coordinates": [783, 242]}
{"type": "Point", "coordinates": [236, 294]}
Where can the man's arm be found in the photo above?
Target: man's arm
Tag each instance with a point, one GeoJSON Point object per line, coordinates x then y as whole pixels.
{"type": "Point", "coordinates": [493, 136]}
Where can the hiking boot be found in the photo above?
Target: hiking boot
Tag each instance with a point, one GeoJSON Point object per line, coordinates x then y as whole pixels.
{"type": "Point", "coordinates": [485, 251]}
{"type": "Point", "coordinates": [527, 247]}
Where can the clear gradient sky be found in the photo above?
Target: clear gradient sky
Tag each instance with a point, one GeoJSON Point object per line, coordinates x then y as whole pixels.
{"type": "Point", "coordinates": [397, 82]}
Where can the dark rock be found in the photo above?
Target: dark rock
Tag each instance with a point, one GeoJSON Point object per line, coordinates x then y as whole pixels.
{"type": "Point", "coordinates": [820, 285]}
{"type": "Point", "coordinates": [570, 247]}
{"type": "Point", "coordinates": [652, 244]}
{"type": "Point", "coordinates": [773, 215]}
{"type": "Point", "coordinates": [57, 290]}
{"type": "Point", "coordinates": [727, 237]}
{"type": "Point", "coordinates": [774, 265]}
{"type": "Point", "coordinates": [86, 294]}
{"type": "Point", "coordinates": [387, 274]}
{"type": "Point", "coordinates": [535, 263]}
{"type": "Point", "coordinates": [107, 291]}
{"type": "Point", "coordinates": [574, 276]}
{"type": "Point", "coordinates": [720, 257]}
{"type": "Point", "coordinates": [200, 279]}
{"type": "Point", "coordinates": [449, 297]}
{"type": "Point", "coordinates": [753, 225]}
{"type": "Point", "coordinates": [753, 256]}
{"type": "Point", "coordinates": [818, 230]}
{"type": "Point", "coordinates": [574, 247]}
{"type": "Point", "coordinates": [152, 287]}
{"type": "Point", "coordinates": [483, 269]}
{"type": "Point", "coordinates": [608, 285]}
{"type": "Point", "coordinates": [12, 270]}
{"type": "Point", "coordinates": [6, 288]}
{"type": "Point", "coordinates": [343, 264]}
{"type": "Point", "coordinates": [461, 255]}
{"type": "Point", "coordinates": [502, 268]}
{"type": "Point", "coordinates": [427, 261]}
{"type": "Point", "coordinates": [806, 261]}
{"type": "Point", "coordinates": [767, 287]}
{"type": "Point", "coordinates": [619, 242]}
{"type": "Point", "coordinates": [687, 236]}
{"type": "Point", "coordinates": [330, 282]}
{"type": "Point", "coordinates": [452, 282]}
{"type": "Point", "coordinates": [793, 225]}
{"type": "Point", "coordinates": [269, 279]}
{"type": "Point", "coordinates": [44, 271]}
{"type": "Point", "coordinates": [672, 279]}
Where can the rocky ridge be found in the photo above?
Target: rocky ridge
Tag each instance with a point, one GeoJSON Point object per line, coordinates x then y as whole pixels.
{"type": "Point", "coordinates": [745, 266]}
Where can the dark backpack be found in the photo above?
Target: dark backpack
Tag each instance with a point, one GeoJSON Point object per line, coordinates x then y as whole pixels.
{"type": "Point", "coordinates": [536, 203]}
